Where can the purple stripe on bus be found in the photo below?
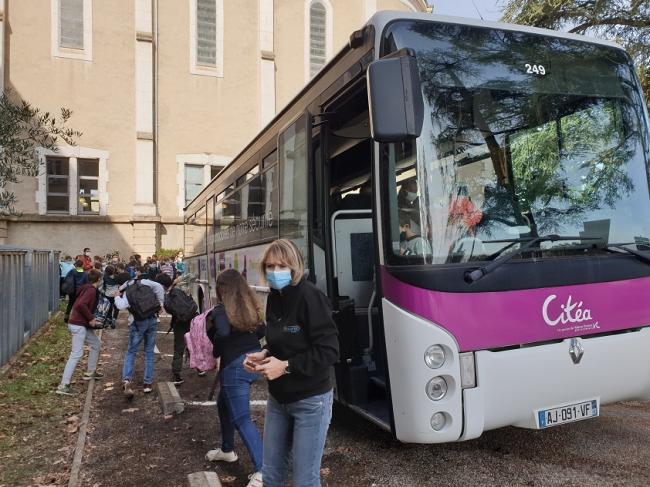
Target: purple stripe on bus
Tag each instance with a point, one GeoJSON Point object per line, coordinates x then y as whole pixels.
{"type": "Point", "coordinates": [499, 319]}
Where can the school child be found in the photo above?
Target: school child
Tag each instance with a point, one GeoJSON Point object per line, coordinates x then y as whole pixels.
{"type": "Point", "coordinates": [168, 268]}
{"type": "Point", "coordinates": [110, 288]}
{"type": "Point", "coordinates": [72, 283]}
{"type": "Point", "coordinates": [235, 322]}
{"type": "Point", "coordinates": [143, 298]}
{"type": "Point", "coordinates": [182, 308]}
{"type": "Point", "coordinates": [81, 324]}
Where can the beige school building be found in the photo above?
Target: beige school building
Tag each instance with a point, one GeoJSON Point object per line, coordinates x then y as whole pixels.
{"type": "Point", "coordinates": [166, 93]}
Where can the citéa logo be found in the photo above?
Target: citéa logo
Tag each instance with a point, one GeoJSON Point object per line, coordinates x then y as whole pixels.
{"type": "Point", "coordinates": [570, 312]}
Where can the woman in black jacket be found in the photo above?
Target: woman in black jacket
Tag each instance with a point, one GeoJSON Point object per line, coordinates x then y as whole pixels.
{"type": "Point", "coordinates": [302, 347]}
{"type": "Point", "coordinates": [233, 332]}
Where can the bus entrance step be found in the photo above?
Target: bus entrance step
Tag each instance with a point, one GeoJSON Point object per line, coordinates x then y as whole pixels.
{"type": "Point", "coordinates": [170, 401]}
{"type": "Point", "coordinates": [203, 479]}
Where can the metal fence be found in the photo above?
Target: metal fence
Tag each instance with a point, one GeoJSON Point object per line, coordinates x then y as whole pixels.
{"type": "Point", "coordinates": [29, 292]}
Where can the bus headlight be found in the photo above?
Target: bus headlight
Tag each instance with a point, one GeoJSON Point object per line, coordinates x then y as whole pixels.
{"type": "Point", "coordinates": [434, 357]}
{"type": "Point", "coordinates": [436, 388]}
{"type": "Point", "coordinates": [438, 421]}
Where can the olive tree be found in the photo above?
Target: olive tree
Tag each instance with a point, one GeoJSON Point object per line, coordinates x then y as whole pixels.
{"type": "Point", "coordinates": [23, 129]}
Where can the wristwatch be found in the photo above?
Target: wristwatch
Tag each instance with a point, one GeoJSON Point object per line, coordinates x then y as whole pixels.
{"type": "Point", "coordinates": [287, 369]}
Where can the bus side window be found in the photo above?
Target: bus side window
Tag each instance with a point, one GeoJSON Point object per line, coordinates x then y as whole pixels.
{"type": "Point", "coordinates": [293, 157]}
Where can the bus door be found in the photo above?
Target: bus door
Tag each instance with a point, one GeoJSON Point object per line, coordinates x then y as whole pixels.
{"type": "Point", "coordinates": [347, 217]}
{"type": "Point", "coordinates": [318, 190]}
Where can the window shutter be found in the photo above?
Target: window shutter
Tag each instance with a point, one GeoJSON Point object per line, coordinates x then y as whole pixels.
{"type": "Point", "coordinates": [206, 32]}
{"type": "Point", "coordinates": [317, 38]}
{"type": "Point", "coordinates": [71, 24]}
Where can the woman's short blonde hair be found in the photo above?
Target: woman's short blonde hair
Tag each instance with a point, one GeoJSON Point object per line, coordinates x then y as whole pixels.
{"type": "Point", "coordinates": [286, 253]}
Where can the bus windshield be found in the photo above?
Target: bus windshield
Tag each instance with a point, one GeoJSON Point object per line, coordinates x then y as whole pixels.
{"type": "Point", "coordinates": [524, 135]}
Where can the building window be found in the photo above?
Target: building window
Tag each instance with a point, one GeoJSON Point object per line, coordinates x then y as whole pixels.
{"type": "Point", "coordinates": [206, 32]}
{"type": "Point", "coordinates": [317, 38]}
{"type": "Point", "coordinates": [214, 170]}
{"type": "Point", "coordinates": [195, 179]}
{"type": "Point", "coordinates": [193, 182]}
{"type": "Point", "coordinates": [58, 172]}
{"type": "Point", "coordinates": [71, 24]}
{"type": "Point", "coordinates": [88, 173]}
{"type": "Point", "coordinates": [195, 171]}
{"type": "Point", "coordinates": [71, 29]}
{"type": "Point", "coordinates": [206, 37]}
{"type": "Point", "coordinates": [72, 180]}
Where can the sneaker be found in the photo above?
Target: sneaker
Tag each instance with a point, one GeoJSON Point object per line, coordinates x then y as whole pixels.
{"type": "Point", "coordinates": [201, 373]}
{"type": "Point", "coordinates": [147, 388]}
{"type": "Point", "coordinates": [255, 480]}
{"type": "Point", "coordinates": [92, 375]}
{"type": "Point", "coordinates": [177, 379]}
{"type": "Point", "coordinates": [128, 392]}
{"type": "Point", "coordinates": [65, 390]}
{"type": "Point", "coordinates": [221, 456]}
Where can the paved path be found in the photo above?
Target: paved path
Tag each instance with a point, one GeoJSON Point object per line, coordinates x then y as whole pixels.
{"type": "Point", "coordinates": [131, 444]}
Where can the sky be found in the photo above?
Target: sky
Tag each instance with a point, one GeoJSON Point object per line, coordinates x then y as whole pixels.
{"type": "Point", "coordinates": [465, 8]}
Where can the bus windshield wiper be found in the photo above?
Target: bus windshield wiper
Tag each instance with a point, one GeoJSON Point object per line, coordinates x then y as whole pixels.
{"type": "Point", "coordinates": [639, 255]}
{"type": "Point", "coordinates": [476, 274]}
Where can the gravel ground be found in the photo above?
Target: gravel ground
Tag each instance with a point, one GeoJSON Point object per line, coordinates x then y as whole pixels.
{"type": "Point", "coordinates": [607, 451]}
{"type": "Point", "coordinates": [131, 444]}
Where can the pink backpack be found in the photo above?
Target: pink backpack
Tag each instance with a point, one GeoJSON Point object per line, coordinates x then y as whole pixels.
{"type": "Point", "coordinates": [199, 345]}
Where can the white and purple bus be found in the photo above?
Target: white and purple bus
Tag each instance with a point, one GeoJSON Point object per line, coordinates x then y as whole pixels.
{"type": "Point", "coordinates": [473, 197]}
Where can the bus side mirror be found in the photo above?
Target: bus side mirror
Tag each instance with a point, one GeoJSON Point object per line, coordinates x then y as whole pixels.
{"type": "Point", "coordinates": [395, 98]}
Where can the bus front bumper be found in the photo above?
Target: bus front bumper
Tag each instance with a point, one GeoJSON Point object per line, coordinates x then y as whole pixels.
{"type": "Point", "coordinates": [513, 385]}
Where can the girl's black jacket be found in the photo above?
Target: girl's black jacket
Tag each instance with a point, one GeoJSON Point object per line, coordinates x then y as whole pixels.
{"type": "Point", "coordinates": [300, 329]}
{"type": "Point", "coordinates": [227, 342]}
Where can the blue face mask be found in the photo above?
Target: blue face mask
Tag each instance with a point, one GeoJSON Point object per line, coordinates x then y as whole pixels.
{"type": "Point", "coordinates": [278, 279]}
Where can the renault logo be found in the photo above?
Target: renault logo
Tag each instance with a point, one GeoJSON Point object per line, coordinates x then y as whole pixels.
{"type": "Point", "coordinates": [575, 350]}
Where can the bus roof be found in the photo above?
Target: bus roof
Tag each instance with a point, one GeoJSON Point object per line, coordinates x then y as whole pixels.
{"type": "Point", "coordinates": [381, 19]}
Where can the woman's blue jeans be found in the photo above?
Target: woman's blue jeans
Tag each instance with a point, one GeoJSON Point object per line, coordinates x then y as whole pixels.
{"type": "Point", "coordinates": [297, 431]}
{"type": "Point", "coordinates": [234, 410]}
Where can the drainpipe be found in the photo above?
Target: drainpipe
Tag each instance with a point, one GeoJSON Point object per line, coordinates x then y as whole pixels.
{"type": "Point", "coordinates": [156, 175]}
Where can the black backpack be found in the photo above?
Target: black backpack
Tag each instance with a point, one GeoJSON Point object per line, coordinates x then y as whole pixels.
{"type": "Point", "coordinates": [180, 305]}
{"type": "Point", "coordinates": [143, 302]}
{"type": "Point", "coordinates": [69, 283]}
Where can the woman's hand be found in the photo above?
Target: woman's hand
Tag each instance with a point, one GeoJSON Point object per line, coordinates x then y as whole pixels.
{"type": "Point", "coordinates": [272, 368]}
{"type": "Point", "coordinates": [252, 360]}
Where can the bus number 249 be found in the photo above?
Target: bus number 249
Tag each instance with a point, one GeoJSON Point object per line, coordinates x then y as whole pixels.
{"type": "Point", "coordinates": [535, 69]}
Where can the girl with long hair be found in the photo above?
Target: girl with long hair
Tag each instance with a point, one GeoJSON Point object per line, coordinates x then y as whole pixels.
{"type": "Point", "coordinates": [233, 332]}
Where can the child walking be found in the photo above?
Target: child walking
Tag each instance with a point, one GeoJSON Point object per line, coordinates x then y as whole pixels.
{"type": "Point", "coordinates": [235, 321]}
{"type": "Point", "coordinates": [80, 324]}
